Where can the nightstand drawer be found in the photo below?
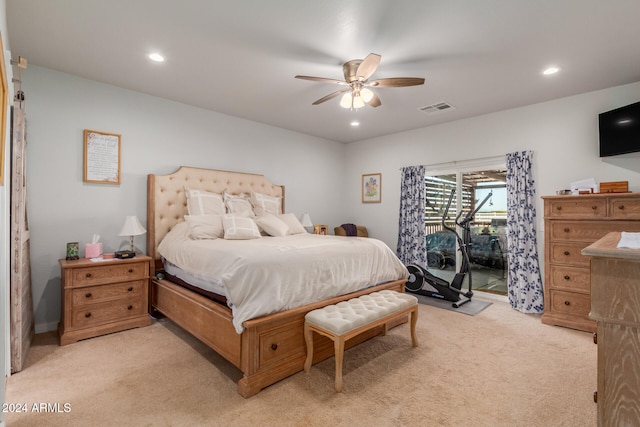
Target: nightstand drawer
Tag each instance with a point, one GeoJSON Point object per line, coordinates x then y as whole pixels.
{"type": "Point", "coordinates": [96, 314]}
{"type": "Point", "coordinates": [625, 208]}
{"type": "Point", "coordinates": [113, 272]}
{"type": "Point", "coordinates": [570, 303]}
{"type": "Point", "coordinates": [97, 294]}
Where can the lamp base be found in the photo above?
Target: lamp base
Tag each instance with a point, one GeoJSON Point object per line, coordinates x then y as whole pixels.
{"type": "Point", "coordinates": [124, 254]}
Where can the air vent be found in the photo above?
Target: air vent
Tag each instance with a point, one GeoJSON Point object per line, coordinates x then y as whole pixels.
{"type": "Point", "coordinates": [437, 108]}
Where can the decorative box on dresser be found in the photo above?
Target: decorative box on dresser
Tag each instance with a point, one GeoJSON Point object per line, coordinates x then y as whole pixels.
{"type": "Point", "coordinates": [572, 223]}
{"type": "Point", "coordinates": [615, 306]}
{"type": "Point", "coordinates": [103, 297]}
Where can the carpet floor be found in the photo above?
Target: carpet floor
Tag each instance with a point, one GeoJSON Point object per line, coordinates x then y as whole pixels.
{"type": "Point", "coordinates": [498, 368]}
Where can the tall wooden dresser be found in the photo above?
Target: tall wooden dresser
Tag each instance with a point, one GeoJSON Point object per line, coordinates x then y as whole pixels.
{"type": "Point", "coordinates": [615, 306]}
{"type": "Point", "coordinates": [570, 224]}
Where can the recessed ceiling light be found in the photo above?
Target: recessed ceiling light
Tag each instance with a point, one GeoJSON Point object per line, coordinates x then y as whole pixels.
{"type": "Point", "coordinates": [550, 70]}
{"type": "Point", "coordinates": [355, 123]}
{"type": "Point", "coordinates": [156, 57]}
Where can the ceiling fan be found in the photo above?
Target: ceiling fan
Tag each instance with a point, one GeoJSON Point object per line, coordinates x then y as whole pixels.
{"type": "Point", "coordinates": [356, 78]}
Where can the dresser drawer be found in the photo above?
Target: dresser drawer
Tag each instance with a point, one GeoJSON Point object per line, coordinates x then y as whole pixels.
{"type": "Point", "coordinates": [570, 303]}
{"type": "Point", "coordinates": [570, 278]}
{"type": "Point", "coordinates": [102, 293]}
{"type": "Point", "coordinates": [568, 253]}
{"type": "Point", "coordinates": [577, 208]}
{"type": "Point", "coordinates": [624, 208]}
{"type": "Point", "coordinates": [111, 273]}
{"type": "Point", "coordinates": [588, 231]}
{"type": "Point", "coordinates": [96, 314]}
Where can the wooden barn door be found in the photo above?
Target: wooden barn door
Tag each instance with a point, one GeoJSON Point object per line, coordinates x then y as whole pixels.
{"type": "Point", "coordinates": [21, 312]}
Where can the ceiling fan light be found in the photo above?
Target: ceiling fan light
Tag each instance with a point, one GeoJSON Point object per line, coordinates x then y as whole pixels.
{"type": "Point", "coordinates": [345, 102]}
{"type": "Point", "coordinates": [358, 102]}
{"type": "Point", "coordinates": [366, 94]}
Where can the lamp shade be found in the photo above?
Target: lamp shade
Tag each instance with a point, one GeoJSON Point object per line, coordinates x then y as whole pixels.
{"type": "Point", "coordinates": [306, 220]}
{"type": "Point", "coordinates": [132, 227]}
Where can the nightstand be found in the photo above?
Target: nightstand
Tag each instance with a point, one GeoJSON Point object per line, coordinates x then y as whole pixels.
{"type": "Point", "coordinates": [103, 297]}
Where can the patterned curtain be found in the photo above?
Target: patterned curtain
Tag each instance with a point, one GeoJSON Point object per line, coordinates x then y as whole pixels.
{"type": "Point", "coordinates": [412, 246]}
{"type": "Point", "coordinates": [523, 281]}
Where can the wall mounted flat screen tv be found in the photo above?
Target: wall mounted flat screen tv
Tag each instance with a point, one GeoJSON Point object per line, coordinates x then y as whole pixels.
{"type": "Point", "coordinates": [620, 130]}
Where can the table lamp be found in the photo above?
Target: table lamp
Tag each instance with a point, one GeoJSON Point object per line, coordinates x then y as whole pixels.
{"type": "Point", "coordinates": [131, 227]}
{"type": "Point", "coordinates": [306, 222]}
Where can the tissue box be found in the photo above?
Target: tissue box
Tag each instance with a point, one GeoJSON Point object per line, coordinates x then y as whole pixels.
{"type": "Point", "coordinates": [92, 250]}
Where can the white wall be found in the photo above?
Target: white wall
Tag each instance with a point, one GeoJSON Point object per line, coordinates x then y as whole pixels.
{"type": "Point", "coordinates": [563, 135]}
{"type": "Point", "coordinates": [157, 137]}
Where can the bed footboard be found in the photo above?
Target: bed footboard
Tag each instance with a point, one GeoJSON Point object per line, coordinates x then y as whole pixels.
{"type": "Point", "coordinates": [270, 348]}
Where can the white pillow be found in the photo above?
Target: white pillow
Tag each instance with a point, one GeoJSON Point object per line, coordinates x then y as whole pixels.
{"type": "Point", "coordinates": [201, 202]}
{"type": "Point", "coordinates": [294, 224]}
{"type": "Point", "coordinates": [263, 203]}
{"type": "Point", "coordinates": [205, 226]}
{"type": "Point", "coordinates": [239, 228]}
{"type": "Point", "coordinates": [238, 204]}
{"type": "Point", "coordinates": [272, 225]}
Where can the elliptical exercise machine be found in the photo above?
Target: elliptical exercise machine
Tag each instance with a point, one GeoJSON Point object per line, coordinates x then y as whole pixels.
{"type": "Point", "coordinates": [424, 283]}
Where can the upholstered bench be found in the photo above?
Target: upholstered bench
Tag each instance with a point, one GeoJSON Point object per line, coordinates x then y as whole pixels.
{"type": "Point", "coordinates": [347, 319]}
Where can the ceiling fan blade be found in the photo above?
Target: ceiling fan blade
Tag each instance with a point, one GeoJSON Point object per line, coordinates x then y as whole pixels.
{"type": "Point", "coordinates": [322, 79]}
{"type": "Point", "coordinates": [330, 96]}
{"type": "Point", "coordinates": [396, 82]}
{"type": "Point", "coordinates": [368, 66]}
{"type": "Point", "coordinates": [375, 101]}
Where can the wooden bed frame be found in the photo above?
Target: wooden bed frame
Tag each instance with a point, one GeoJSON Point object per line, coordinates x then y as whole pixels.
{"type": "Point", "coordinates": [271, 347]}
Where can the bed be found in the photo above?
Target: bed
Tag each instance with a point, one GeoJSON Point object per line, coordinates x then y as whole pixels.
{"type": "Point", "coordinates": [265, 348]}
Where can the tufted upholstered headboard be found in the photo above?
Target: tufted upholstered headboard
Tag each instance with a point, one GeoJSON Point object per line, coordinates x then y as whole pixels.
{"type": "Point", "coordinates": [167, 202]}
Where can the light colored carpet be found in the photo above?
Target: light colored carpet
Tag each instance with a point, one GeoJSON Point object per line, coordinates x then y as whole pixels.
{"type": "Point", "coordinates": [498, 368]}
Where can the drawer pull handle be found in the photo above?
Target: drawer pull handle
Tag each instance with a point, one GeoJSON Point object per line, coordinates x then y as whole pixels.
{"type": "Point", "coordinates": [131, 270]}
{"type": "Point", "coordinates": [567, 303]}
{"type": "Point", "coordinates": [130, 288]}
{"type": "Point", "coordinates": [88, 275]}
{"type": "Point", "coordinates": [566, 253]}
{"type": "Point", "coordinates": [594, 207]}
{"type": "Point", "coordinates": [595, 338]}
{"type": "Point", "coordinates": [595, 397]}
{"type": "Point", "coordinates": [87, 315]}
{"type": "Point", "coordinates": [621, 207]}
{"type": "Point", "coordinates": [130, 307]}
{"type": "Point", "coordinates": [559, 208]}
{"type": "Point", "coordinates": [274, 346]}
{"type": "Point", "coordinates": [566, 230]}
{"type": "Point", "coordinates": [567, 277]}
{"type": "Point", "coordinates": [87, 295]}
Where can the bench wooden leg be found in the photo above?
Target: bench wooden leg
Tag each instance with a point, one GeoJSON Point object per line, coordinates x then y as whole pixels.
{"type": "Point", "coordinates": [414, 321]}
{"type": "Point", "coordinates": [338, 344]}
{"type": "Point", "coordinates": [308, 338]}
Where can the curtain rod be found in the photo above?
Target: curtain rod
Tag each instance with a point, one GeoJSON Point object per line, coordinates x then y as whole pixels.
{"type": "Point", "coordinates": [469, 162]}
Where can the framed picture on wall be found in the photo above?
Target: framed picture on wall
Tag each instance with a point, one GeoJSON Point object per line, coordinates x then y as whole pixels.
{"type": "Point", "coordinates": [371, 188]}
{"type": "Point", "coordinates": [101, 157]}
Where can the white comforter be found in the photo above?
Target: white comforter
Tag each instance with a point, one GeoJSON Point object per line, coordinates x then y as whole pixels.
{"type": "Point", "coordinates": [272, 274]}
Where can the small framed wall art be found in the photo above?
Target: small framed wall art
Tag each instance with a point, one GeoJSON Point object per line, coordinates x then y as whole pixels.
{"type": "Point", "coordinates": [371, 188]}
{"type": "Point", "coordinates": [101, 157]}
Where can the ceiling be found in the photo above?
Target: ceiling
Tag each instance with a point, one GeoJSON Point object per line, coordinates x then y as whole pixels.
{"type": "Point", "coordinates": [240, 57]}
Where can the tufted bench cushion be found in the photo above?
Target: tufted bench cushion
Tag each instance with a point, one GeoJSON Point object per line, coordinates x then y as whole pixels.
{"type": "Point", "coordinates": [347, 319]}
{"type": "Point", "coordinates": [356, 312]}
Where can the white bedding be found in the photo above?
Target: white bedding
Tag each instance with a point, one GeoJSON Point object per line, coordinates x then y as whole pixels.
{"type": "Point", "coordinates": [272, 274]}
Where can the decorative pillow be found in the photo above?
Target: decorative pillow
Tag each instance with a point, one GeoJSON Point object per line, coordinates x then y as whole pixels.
{"type": "Point", "coordinates": [263, 203]}
{"type": "Point", "coordinates": [295, 227]}
{"type": "Point", "coordinates": [272, 225]}
{"type": "Point", "coordinates": [238, 204]}
{"type": "Point", "coordinates": [201, 202]}
{"type": "Point", "coordinates": [205, 226]}
{"type": "Point", "coordinates": [239, 228]}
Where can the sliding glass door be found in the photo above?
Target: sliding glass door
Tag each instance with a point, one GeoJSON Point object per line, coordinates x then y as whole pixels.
{"type": "Point", "coordinates": [451, 196]}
